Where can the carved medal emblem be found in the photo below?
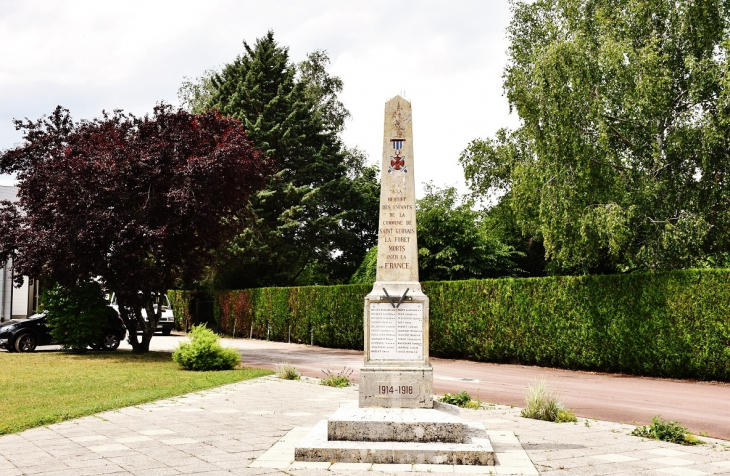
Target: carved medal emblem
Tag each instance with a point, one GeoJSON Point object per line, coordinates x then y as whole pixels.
{"type": "Point", "coordinates": [397, 163]}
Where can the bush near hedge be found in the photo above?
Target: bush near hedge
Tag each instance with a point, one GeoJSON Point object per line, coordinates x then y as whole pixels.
{"type": "Point", "coordinates": [670, 324]}
{"type": "Point", "coordinates": [204, 352]}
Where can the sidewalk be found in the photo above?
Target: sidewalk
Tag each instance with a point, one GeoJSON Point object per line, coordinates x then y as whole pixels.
{"type": "Point", "coordinates": [251, 427]}
{"type": "Point", "coordinates": [700, 406]}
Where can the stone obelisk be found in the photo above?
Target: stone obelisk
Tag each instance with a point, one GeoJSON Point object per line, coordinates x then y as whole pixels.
{"type": "Point", "coordinates": [397, 420]}
{"type": "Point", "coordinates": [397, 372]}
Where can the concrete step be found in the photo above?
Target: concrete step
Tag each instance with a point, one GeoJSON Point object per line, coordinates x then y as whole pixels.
{"type": "Point", "coordinates": [440, 424]}
{"type": "Point", "coordinates": [475, 449]}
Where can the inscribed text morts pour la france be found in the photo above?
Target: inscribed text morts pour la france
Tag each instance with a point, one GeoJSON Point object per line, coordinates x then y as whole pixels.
{"type": "Point", "coordinates": [396, 310]}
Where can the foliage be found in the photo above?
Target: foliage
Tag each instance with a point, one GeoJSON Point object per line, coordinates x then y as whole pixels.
{"type": "Point", "coordinates": [180, 302]}
{"type": "Point", "coordinates": [367, 271]}
{"type": "Point", "coordinates": [668, 324]}
{"type": "Point", "coordinates": [204, 352]}
{"type": "Point", "coordinates": [670, 431]}
{"type": "Point", "coordinates": [322, 89]}
{"type": "Point", "coordinates": [542, 403]}
{"type": "Point", "coordinates": [328, 316]}
{"type": "Point", "coordinates": [47, 387]}
{"type": "Point", "coordinates": [194, 95]}
{"type": "Point", "coordinates": [461, 399]}
{"type": "Point", "coordinates": [76, 315]}
{"type": "Point", "coordinates": [339, 380]}
{"type": "Point", "coordinates": [317, 216]}
{"type": "Point", "coordinates": [500, 225]}
{"type": "Point", "coordinates": [287, 371]}
{"type": "Point", "coordinates": [452, 244]}
{"type": "Point", "coordinates": [136, 202]}
{"type": "Point", "coordinates": [620, 162]}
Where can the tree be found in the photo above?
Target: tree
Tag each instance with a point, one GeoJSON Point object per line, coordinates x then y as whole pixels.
{"type": "Point", "coordinates": [621, 161]}
{"type": "Point", "coordinates": [453, 243]}
{"type": "Point", "coordinates": [322, 89]}
{"type": "Point", "coordinates": [136, 202]}
{"type": "Point", "coordinates": [195, 94]}
{"type": "Point", "coordinates": [310, 216]}
{"type": "Point", "coordinates": [76, 315]}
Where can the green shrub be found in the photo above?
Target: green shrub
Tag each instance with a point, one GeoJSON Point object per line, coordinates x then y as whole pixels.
{"type": "Point", "coordinates": [204, 352]}
{"type": "Point", "coordinates": [76, 316]}
{"type": "Point", "coordinates": [461, 399]}
{"type": "Point", "coordinates": [287, 371]}
{"type": "Point", "coordinates": [670, 431]}
{"type": "Point", "coordinates": [542, 403]}
{"type": "Point", "coordinates": [340, 379]}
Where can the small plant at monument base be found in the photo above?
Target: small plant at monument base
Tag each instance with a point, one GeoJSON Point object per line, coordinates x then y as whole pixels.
{"type": "Point", "coordinates": [542, 403]}
{"type": "Point", "coordinates": [287, 371]}
{"type": "Point", "coordinates": [340, 379]}
{"type": "Point", "coordinates": [204, 352]}
{"type": "Point", "coordinates": [461, 399]}
{"type": "Point", "coordinates": [670, 431]}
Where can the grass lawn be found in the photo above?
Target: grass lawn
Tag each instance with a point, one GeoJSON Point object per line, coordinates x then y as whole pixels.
{"type": "Point", "coordinates": [47, 387]}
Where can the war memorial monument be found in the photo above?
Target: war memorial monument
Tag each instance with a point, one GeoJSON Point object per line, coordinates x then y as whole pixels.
{"type": "Point", "coordinates": [396, 419]}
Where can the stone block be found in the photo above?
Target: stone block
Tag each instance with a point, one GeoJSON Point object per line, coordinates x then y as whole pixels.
{"type": "Point", "coordinates": [401, 387]}
{"type": "Point", "coordinates": [351, 423]}
{"type": "Point", "coordinates": [316, 447]}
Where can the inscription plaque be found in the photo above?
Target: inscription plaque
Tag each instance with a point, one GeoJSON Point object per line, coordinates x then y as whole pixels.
{"type": "Point", "coordinates": [396, 333]}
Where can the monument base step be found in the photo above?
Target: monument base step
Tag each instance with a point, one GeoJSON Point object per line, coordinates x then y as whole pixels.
{"type": "Point", "coordinates": [420, 425]}
{"type": "Point", "coordinates": [476, 449]}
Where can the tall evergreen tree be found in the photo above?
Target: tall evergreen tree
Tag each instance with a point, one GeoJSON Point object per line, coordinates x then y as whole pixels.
{"type": "Point", "coordinates": [307, 217]}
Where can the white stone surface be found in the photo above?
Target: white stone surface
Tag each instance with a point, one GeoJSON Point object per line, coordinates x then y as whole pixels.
{"type": "Point", "coordinates": [351, 423]}
{"type": "Point", "coordinates": [316, 447]}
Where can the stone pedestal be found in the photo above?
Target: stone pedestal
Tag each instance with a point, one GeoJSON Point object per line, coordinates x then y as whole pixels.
{"type": "Point", "coordinates": [397, 435]}
{"type": "Point", "coordinates": [397, 372]}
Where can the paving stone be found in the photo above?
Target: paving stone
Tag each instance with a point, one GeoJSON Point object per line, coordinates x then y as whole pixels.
{"type": "Point", "coordinates": [433, 468]}
{"type": "Point", "coordinates": [160, 431]}
{"type": "Point", "coordinates": [671, 461]}
{"type": "Point", "coordinates": [679, 471]}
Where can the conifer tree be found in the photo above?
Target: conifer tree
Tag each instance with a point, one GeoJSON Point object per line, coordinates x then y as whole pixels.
{"type": "Point", "coordinates": [309, 216]}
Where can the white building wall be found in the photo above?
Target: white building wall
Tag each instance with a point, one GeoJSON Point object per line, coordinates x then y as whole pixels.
{"type": "Point", "coordinates": [11, 296]}
{"type": "Point", "coordinates": [20, 300]}
{"type": "Point", "coordinates": [5, 283]}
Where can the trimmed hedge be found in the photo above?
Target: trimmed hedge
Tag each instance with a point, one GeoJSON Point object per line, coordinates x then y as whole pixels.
{"type": "Point", "coordinates": [673, 324]}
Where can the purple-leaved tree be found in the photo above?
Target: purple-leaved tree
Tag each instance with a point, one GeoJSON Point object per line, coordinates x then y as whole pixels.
{"type": "Point", "coordinates": [136, 202]}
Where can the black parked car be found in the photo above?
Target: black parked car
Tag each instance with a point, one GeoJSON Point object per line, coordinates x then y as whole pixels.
{"type": "Point", "coordinates": [24, 335]}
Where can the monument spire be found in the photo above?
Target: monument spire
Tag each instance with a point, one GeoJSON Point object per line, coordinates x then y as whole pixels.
{"type": "Point", "coordinates": [397, 243]}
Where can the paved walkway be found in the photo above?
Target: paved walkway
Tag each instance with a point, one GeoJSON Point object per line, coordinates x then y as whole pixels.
{"type": "Point", "coordinates": [251, 428]}
{"type": "Point", "coordinates": [701, 406]}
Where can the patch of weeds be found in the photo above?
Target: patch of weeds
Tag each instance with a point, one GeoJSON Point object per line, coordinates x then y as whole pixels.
{"type": "Point", "coordinates": [461, 399]}
{"type": "Point", "coordinates": [287, 371]}
{"type": "Point", "coordinates": [340, 379]}
{"type": "Point", "coordinates": [670, 431]}
{"type": "Point", "coordinates": [542, 403]}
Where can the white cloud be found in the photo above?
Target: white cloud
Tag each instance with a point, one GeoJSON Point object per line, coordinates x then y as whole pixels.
{"type": "Point", "coordinates": [448, 57]}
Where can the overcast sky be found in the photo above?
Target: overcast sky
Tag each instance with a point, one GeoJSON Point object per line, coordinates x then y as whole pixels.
{"type": "Point", "coordinates": [447, 58]}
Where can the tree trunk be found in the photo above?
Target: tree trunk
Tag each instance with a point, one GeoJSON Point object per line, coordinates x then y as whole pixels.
{"type": "Point", "coordinates": [136, 321]}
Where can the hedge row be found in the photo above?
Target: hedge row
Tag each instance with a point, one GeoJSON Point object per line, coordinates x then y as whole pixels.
{"type": "Point", "coordinates": [673, 324]}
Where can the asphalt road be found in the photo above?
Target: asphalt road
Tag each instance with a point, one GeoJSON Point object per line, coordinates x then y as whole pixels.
{"type": "Point", "coordinates": [700, 406]}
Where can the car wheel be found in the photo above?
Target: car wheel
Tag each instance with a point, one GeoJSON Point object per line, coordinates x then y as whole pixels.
{"type": "Point", "coordinates": [111, 342]}
{"type": "Point", "coordinates": [25, 342]}
{"type": "Point", "coordinates": [166, 332]}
